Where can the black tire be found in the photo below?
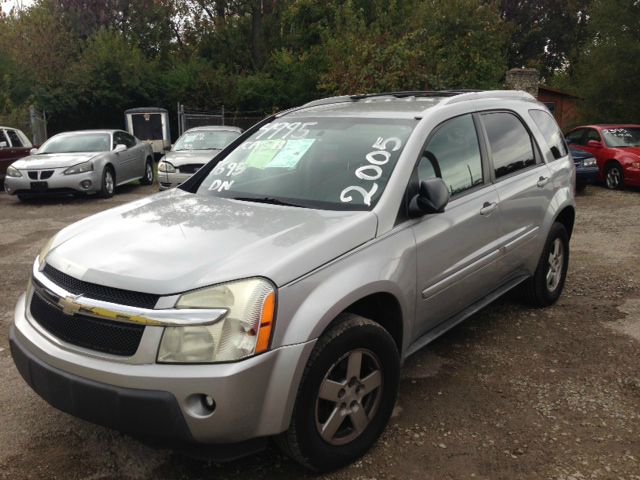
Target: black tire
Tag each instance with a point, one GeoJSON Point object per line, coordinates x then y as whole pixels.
{"type": "Point", "coordinates": [614, 176]}
{"type": "Point", "coordinates": [148, 173]}
{"type": "Point", "coordinates": [23, 198]}
{"type": "Point", "coordinates": [108, 187]}
{"type": "Point", "coordinates": [352, 335]}
{"type": "Point", "coordinates": [538, 291]}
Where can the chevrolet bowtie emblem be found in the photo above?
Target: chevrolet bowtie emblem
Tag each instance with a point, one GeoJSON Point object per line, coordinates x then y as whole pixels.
{"type": "Point", "coordinates": [69, 304]}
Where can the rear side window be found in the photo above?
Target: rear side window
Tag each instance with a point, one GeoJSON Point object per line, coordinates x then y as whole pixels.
{"type": "Point", "coordinates": [4, 141]}
{"type": "Point", "coordinates": [128, 140]}
{"type": "Point", "coordinates": [453, 154]}
{"type": "Point", "coordinates": [15, 140]}
{"type": "Point", "coordinates": [576, 136]}
{"type": "Point", "coordinates": [552, 134]}
{"type": "Point", "coordinates": [510, 143]}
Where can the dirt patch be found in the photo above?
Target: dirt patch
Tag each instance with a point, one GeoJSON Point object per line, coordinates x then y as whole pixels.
{"type": "Point", "coordinates": [511, 393]}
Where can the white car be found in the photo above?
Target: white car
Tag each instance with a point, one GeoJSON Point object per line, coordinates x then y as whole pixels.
{"type": "Point", "coordinates": [86, 161]}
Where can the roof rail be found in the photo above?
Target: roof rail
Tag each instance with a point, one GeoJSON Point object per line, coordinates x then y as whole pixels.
{"type": "Point", "coordinates": [483, 94]}
{"type": "Point", "coordinates": [398, 94]}
{"type": "Point", "coordinates": [454, 96]}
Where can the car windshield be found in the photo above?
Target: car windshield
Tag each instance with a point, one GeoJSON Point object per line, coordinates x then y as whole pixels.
{"type": "Point", "coordinates": [327, 163]}
{"type": "Point", "coordinates": [205, 140]}
{"type": "Point", "coordinates": [82, 142]}
{"type": "Point", "coordinates": [621, 137]}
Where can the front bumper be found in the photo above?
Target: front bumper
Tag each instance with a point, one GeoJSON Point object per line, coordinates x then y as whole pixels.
{"type": "Point", "coordinates": [254, 398]}
{"type": "Point", "coordinates": [57, 183]}
{"type": "Point", "coordinates": [170, 180]}
{"type": "Point", "coordinates": [587, 175]}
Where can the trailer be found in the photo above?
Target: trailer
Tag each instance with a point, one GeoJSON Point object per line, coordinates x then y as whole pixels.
{"type": "Point", "coordinates": [151, 125]}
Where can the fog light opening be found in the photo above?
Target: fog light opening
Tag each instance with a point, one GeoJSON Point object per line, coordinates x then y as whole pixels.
{"type": "Point", "coordinates": [85, 184]}
{"type": "Point", "coordinates": [201, 405]}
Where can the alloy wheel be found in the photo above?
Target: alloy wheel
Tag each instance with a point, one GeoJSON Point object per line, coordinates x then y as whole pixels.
{"type": "Point", "coordinates": [556, 265]}
{"type": "Point", "coordinates": [108, 182]}
{"type": "Point", "coordinates": [613, 178]}
{"type": "Point", "coordinates": [349, 397]}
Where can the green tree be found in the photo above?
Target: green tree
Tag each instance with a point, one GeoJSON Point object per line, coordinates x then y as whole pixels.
{"type": "Point", "coordinates": [606, 76]}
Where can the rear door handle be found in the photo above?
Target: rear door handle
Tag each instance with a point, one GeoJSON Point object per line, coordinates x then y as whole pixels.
{"type": "Point", "coordinates": [542, 181]}
{"type": "Point", "coordinates": [488, 208]}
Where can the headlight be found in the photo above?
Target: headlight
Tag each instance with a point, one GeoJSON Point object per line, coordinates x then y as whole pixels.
{"type": "Point", "coordinates": [166, 167]}
{"type": "Point", "coordinates": [589, 162]}
{"type": "Point", "coordinates": [79, 168]}
{"type": "Point", "coordinates": [244, 331]}
{"type": "Point", "coordinates": [13, 172]}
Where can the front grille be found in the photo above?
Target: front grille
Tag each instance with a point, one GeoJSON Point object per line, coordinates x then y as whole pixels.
{"type": "Point", "coordinates": [190, 167]}
{"type": "Point", "coordinates": [95, 334]}
{"type": "Point", "coordinates": [33, 175]}
{"type": "Point", "coordinates": [45, 174]}
{"type": "Point", "coordinates": [100, 292]}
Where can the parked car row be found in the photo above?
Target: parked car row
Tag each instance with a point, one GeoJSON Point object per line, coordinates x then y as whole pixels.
{"type": "Point", "coordinates": [96, 161]}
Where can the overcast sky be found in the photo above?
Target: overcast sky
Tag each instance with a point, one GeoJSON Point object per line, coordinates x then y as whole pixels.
{"type": "Point", "coordinates": [9, 4]}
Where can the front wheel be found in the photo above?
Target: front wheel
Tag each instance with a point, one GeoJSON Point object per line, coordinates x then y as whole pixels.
{"type": "Point", "coordinates": [108, 183]}
{"type": "Point", "coordinates": [614, 178]}
{"type": "Point", "coordinates": [148, 173]}
{"type": "Point", "coordinates": [546, 284]}
{"type": "Point", "coordinates": [346, 395]}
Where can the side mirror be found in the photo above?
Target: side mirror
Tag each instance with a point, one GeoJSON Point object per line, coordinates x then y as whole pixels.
{"type": "Point", "coordinates": [120, 148]}
{"type": "Point", "coordinates": [594, 144]}
{"type": "Point", "coordinates": [432, 197]}
{"type": "Point", "coordinates": [33, 151]}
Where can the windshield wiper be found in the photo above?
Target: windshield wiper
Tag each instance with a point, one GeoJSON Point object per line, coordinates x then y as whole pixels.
{"type": "Point", "coordinates": [270, 200]}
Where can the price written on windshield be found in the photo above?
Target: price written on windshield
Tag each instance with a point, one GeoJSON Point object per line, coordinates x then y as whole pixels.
{"type": "Point", "coordinates": [373, 170]}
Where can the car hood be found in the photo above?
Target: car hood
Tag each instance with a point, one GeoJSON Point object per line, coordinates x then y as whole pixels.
{"type": "Point", "coordinates": [176, 241]}
{"type": "Point", "coordinates": [54, 160]}
{"type": "Point", "coordinates": [184, 157]}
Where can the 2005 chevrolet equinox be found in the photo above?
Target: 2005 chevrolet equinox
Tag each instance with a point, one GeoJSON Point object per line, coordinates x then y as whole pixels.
{"type": "Point", "coordinates": [277, 292]}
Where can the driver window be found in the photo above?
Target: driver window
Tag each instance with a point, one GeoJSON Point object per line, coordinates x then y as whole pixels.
{"type": "Point", "coordinates": [593, 135]}
{"type": "Point", "coordinates": [453, 154]}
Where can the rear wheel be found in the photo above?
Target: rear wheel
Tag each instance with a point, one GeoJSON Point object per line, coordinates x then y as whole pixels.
{"type": "Point", "coordinates": [346, 395]}
{"type": "Point", "coordinates": [108, 183]}
{"type": "Point", "coordinates": [148, 173]}
{"type": "Point", "coordinates": [614, 177]}
{"type": "Point", "coordinates": [23, 198]}
{"type": "Point", "coordinates": [546, 284]}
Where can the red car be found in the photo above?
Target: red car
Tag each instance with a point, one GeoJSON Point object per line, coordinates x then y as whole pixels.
{"type": "Point", "coordinates": [616, 148]}
{"type": "Point", "coordinates": [13, 145]}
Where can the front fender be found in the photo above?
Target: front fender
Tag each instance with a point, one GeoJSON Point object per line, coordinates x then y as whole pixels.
{"type": "Point", "coordinates": [308, 305]}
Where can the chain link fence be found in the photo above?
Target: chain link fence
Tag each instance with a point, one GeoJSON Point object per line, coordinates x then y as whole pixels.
{"type": "Point", "coordinates": [190, 118]}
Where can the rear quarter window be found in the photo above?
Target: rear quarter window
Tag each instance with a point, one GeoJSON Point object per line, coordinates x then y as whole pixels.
{"type": "Point", "coordinates": [551, 133]}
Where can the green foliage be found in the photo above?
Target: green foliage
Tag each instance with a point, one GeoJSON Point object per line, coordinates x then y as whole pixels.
{"type": "Point", "coordinates": [85, 61]}
{"type": "Point", "coordinates": [607, 74]}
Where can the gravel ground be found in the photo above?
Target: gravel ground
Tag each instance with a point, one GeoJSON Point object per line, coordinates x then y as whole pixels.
{"type": "Point", "coordinates": [512, 393]}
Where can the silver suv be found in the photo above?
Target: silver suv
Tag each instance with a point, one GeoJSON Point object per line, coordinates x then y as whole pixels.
{"type": "Point", "coordinates": [277, 292]}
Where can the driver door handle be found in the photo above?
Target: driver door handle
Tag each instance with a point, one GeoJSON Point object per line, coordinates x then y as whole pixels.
{"type": "Point", "coordinates": [488, 208]}
{"type": "Point", "coordinates": [542, 181]}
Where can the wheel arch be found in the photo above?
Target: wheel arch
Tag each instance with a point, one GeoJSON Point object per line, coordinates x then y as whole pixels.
{"type": "Point", "coordinates": [567, 217]}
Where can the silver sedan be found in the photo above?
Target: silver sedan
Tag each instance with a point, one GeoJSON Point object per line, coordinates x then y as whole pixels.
{"type": "Point", "coordinates": [193, 149]}
{"type": "Point", "coordinates": [86, 161]}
